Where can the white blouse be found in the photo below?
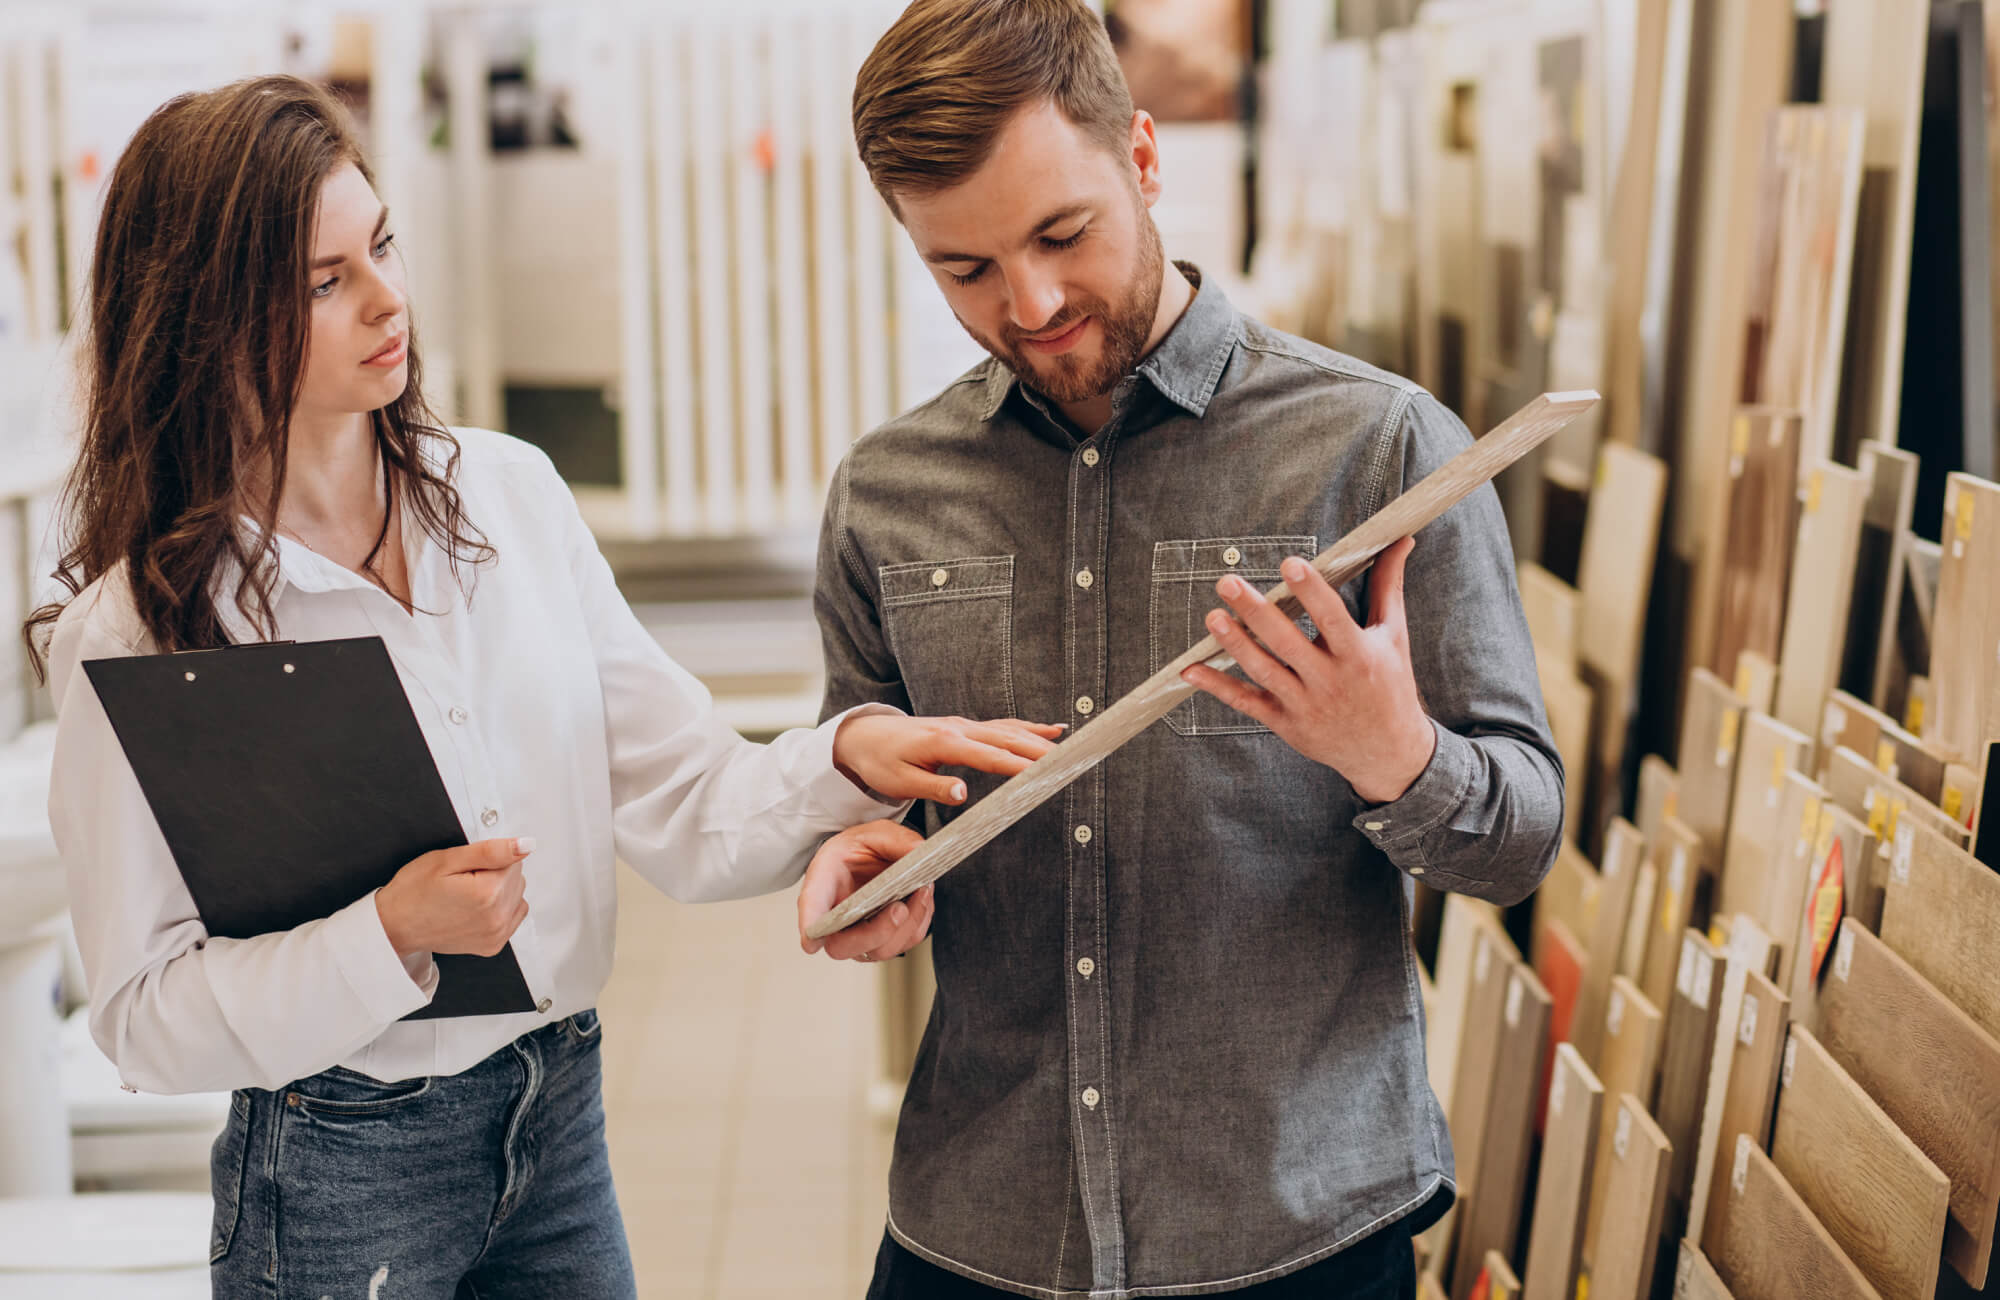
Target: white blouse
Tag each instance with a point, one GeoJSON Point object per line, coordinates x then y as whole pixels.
{"type": "Point", "coordinates": [551, 713]}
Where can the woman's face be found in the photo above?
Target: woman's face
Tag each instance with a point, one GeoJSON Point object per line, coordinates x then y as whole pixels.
{"type": "Point", "coordinates": [357, 355]}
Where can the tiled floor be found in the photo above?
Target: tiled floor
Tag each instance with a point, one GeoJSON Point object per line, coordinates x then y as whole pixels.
{"type": "Point", "coordinates": [736, 1080]}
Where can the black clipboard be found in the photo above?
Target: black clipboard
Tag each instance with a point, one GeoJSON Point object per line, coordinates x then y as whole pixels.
{"type": "Point", "coordinates": [291, 778]}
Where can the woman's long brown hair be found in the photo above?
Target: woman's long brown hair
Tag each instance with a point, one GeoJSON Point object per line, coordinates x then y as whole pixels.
{"type": "Point", "coordinates": [197, 330]}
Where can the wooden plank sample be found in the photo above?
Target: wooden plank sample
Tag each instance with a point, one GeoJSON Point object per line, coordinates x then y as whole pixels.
{"type": "Point", "coordinates": [1568, 701]}
{"type": "Point", "coordinates": [1551, 608]}
{"type": "Point", "coordinates": [1475, 1060]}
{"type": "Point", "coordinates": [1880, 1197]}
{"type": "Point", "coordinates": [1966, 625]}
{"type": "Point", "coordinates": [1711, 725]}
{"type": "Point", "coordinates": [1932, 1070]}
{"type": "Point", "coordinates": [1770, 749]}
{"type": "Point", "coordinates": [1429, 1288]}
{"type": "Point", "coordinates": [1844, 848]}
{"type": "Point", "coordinates": [1911, 761]}
{"type": "Point", "coordinates": [1962, 788]}
{"type": "Point", "coordinates": [1639, 922]}
{"type": "Point", "coordinates": [1879, 567]}
{"type": "Point", "coordinates": [1635, 1196]}
{"type": "Point", "coordinates": [1941, 913]}
{"type": "Point", "coordinates": [1555, 1240]}
{"type": "Point", "coordinates": [1458, 940]}
{"type": "Point", "coordinates": [1882, 801]}
{"type": "Point", "coordinates": [1497, 1279]}
{"type": "Point", "coordinates": [1679, 850]}
{"type": "Point", "coordinates": [1153, 699]}
{"type": "Point", "coordinates": [1659, 795]}
{"type": "Point", "coordinates": [1847, 720]}
{"type": "Point", "coordinates": [1615, 580]}
{"type": "Point", "coordinates": [1761, 524]}
{"type": "Point", "coordinates": [1874, 63]}
{"type": "Point", "coordinates": [1630, 1064]}
{"type": "Point", "coordinates": [1792, 863]}
{"type": "Point", "coordinates": [1568, 894]}
{"type": "Point", "coordinates": [1490, 1218]}
{"type": "Point", "coordinates": [1695, 1278]}
{"type": "Point", "coordinates": [1618, 880]}
{"type": "Point", "coordinates": [1742, 1089]}
{"type": "Point", "coordinates": [1756, 678]}
{"type": "Point", "coordinates": [1817, 599]}
{"type": "Point", "coordinates": [1769, 1246]}
{"type": "Point", "coordinates": [1692, 1014]}
{"type": "Point", "coordinates": [1797, 318]}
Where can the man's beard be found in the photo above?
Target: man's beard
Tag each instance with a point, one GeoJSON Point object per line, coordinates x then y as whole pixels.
{"type": "Point", "coordinates": [1126, 326]}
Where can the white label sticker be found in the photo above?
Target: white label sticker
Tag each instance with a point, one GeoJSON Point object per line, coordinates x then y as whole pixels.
{"type": "Point", "coordinates": [1621, 1140]}
{"type": "Point", "coordinates": [1684, 980]}
{"type": "Point", "coordinates": [1557, 1090]}
{"type": "Point", "coordinates": [1746, 1026]}
{"type": "Point", "coordinates": [1514, 1002]}
{"type": "Point", "coordinates": [1771, 797]}
{"type": "Point", "coordinates": [1742, 1169]}
{"type": "Point", "coordinates": [1482, 961]}
{"type": "Point", "coordinates": [1614, 1015]}
{"type": "Point", "coordinates": [1677, 869]}
{"type": "Point", "coordinates": [1957, 549]}
{"type": "Point", "coordinates": [1704, 980]}
{"type": "Point", "coordinates": [1899, 866]}
{"type": "Point", "coordinates": [1843, 956]}
{"type": "Point", "coordinates": [1832, 723]}
{"type": "Point", "coordinates": [1791, 1059]}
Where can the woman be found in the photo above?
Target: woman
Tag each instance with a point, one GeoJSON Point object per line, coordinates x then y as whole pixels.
{"type": "Point", "coordinates": [257, 464]}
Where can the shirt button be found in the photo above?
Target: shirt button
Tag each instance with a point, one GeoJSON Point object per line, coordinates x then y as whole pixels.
{"type": "Point", "coordinates": [1090, 455]}
{"type": "Point", "coordinates": [1086, 967]}
{"type": "Point", "coordinates": [544, 1005]}
{"type": "Point", "coordinates": [1416, 871]}
{"type": "Point", "coordinates": [1232, 556]}
{"type": "Point", "coordinates": [1371, 826]}
{"type": "Point", "coordinates": [459, 715]}
{"type": "Point", "coordinates": [1083, 578]}
{"type": "Point", "coordinates": [1090, 1098]}
{"type": "Point", "coordinates": [1083, 835]}
{"type": "Point", "coordinates": [491, 817]}
{"type": "Point", "coordinates": [1085, 704]}
{"type": "Point", "coordinates": [939, 577]}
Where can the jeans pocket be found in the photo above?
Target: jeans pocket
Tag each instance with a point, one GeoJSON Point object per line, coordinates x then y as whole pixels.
{"type": "Point", "coordinates": [342, 1092]}
{"type": "Point", "coordinates": [584, 1026]}
{"type": "Point", "coordinates": [1184, 576]}
{"type": "Point", "coordinates": [225, 1175]}
{"type": "Point", "coordinates": [950, 624]}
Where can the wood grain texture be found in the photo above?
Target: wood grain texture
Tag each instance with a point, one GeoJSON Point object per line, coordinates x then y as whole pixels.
{"type": "Point", "coordinates": [1569, 1150]}
{"type": "Point", "coordinates": [1695, 1278]}
{"type": "Point", "coordinates": [1630, 1064]}
{"type": "Point", "coordinates": [1618, 881]}
{"type": "Point", "coordinates": [1863, 873]}
{"type": "Point", "coordinates": [1742, 1090]}
{"type": "Point", "coordinates": [1693, 1011]}
{"type": "Point", "coordinates": [1711, 729]}
{"type": "Point", "coordinates": [1941, 913]}
{"type": "Point", "coordinates": [1770, 750]}
{"type": "Point", "coordinates": [1966, 624]}
{"type": "Point", "coordinates": [1458, 934]}
{"type": "Point", "coordinates": [1491, 1217]}
{"type": "Point", "coordinates": [1480, 1048]}
{"type": "Point", "coordinates": [1635, 1197]}
{"type": "Point", "coordinates": [1791, 864]}
{"type": "Point", "coordinates": [1932, 1070]}
{"type": "Point", "coordinates": [1760, 526]}
{"type": "Point", "coordinates": [1822, 585]}
{"type": "Point", "coordinates": [1678, 851]}
{"type": "Point", "coordinates": [1847, 721]}
{"type": "Point", "coordinates": [1615, 574]}
{"type": "Point", "coordinates": [1880, 1197]}
{"type": "Point", "coordinates": [1442, 489]}
{"type": "Point", "coordinates": [1769, 1246]}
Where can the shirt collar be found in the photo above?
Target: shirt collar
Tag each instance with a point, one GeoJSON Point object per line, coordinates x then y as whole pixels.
{"type": "Point", "coordinates": [1184, 368]}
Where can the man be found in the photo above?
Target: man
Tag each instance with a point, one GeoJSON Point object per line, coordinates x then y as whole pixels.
{"type": "Point", "coordinates": [1177, 1046]}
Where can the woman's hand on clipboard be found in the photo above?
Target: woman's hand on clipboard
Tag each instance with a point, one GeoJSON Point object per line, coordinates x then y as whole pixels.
{"type": "Point", "coordinates": [463, 900]}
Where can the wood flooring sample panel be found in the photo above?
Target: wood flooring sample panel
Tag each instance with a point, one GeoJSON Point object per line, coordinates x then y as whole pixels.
{"type": "Point", "coordinates": [1551, 607]}
{"type": "Point", "coordinates": [1555, 1241]}
{"type": "Point", "coordinates": [1931, 1070]}
{"type": "Point", "coordinates": [1770, 749]}
{"type": "Point", "coordinates": [1678, 853]}
{"type": "Point", "coordinates": [1821, 587]}
{"type": "Point", "coordinates": [1770, 1247]}
{"type": "Point", "coordinates": [1696, 1279]}
{"type": "Point", "coordinates": [1635, 1198]}
{"type": "Point", "coordinates": [1630, 1063]}
{"type": "Point", "coordinates": [1618, 882]}
{"type": "Point", "coordinates": [1880, 1197]}
{"type": "Point", "coordinates": [1756, 680]}
{"type": "Point", "coordinates": [1659, 795]}
{"type": "Point", "coordinates": [1463, 917]}
{"type": "Point", "coordinates": [1941, 913]}
{"type": "Point", "coordinates": [1742, 1090]}
{"type": "Point", "coordinates": [1792, 864]}
{"type": "Point", "coordinates": [1967, 620]}
{"type": "Point", "coordinates": [1761, 525]}
{"type": "Point", "coordinates": [1711, 732]}
{"type": "Point", "coordinates": [1878, 568]}
{"type": "Point", "coordinates": [1491, 1216]}
{"type": "Point", "coordinates": [1621, 533]}
{"type": "Point", "coordinates": [1844, 850]}
{"type": "Point", "coordinates": [1848, 720]}
{"type": "Point", "coordinates": [1692, 1014]}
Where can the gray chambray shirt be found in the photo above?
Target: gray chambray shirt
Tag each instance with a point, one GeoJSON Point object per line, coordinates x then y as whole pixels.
{"type": "Point", "coordinates": [1177, 1045]}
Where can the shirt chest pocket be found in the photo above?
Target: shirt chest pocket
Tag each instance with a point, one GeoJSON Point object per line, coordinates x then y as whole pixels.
{"type": "Point", "coordinates": [950, 624]}
{"type": "Point", "coordinates": [1184, 578]}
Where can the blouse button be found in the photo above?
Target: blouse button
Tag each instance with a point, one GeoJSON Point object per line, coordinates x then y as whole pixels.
{"type": "Point", "coordinates": [491, 817]}
{"type": "Point", "coordinates": [459, 715]}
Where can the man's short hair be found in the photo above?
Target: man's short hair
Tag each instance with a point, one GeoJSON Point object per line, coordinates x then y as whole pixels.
{"type": "Point", "coordinates": [935, 93]}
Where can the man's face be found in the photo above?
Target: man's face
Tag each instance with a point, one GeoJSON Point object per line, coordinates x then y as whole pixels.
{"type": "Point", "coordinates": [1048, 255]}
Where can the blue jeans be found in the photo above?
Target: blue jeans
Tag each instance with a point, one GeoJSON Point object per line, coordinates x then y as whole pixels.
{"type": "Point", "coordinates": [493, 1184]}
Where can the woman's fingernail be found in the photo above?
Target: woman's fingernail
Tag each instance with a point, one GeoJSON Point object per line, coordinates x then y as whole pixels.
{"type": "Point", "coordinates": [524, 845]}
{"type": "Point", "coordinates": [1217, 623]}
{"type": "Point", "coordinates": [900, 914]}
{"type": "Point", "coordinates": [958, 791]}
